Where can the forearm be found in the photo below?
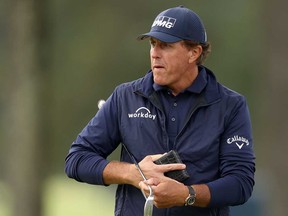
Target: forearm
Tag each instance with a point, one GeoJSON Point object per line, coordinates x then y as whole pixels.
{"type": "Point", "coordinates": [202, 192]}
{"type": "Point", "coordinates": [85, 167]}
{"type": "Point", "coordinates": [231, 190]}
{"type": "Point", "coordinates": [121, 173]}
{"type": "Point", "coordinates": [203, 195]}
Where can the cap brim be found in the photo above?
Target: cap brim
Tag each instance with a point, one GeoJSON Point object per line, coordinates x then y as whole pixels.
{"type": "Point", "coordinates": [160, 36]}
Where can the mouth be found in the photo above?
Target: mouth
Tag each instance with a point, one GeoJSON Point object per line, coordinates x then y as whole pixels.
{"type": "Point", "coordinates": [157, 67]}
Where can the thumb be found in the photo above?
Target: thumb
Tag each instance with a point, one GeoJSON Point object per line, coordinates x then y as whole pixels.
{"type": "Point", "coordinates": [151, 181]}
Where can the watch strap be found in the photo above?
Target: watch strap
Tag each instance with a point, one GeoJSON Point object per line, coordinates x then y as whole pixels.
{"type": "Point", "coordinates": [190, 200]}
{"type": "Point", "coordinates": [191, 190]}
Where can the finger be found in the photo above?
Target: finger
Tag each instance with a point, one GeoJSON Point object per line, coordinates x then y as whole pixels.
{"type": "Point", "coordinates": [157, 156]}
{"type": "Point", "coordinates": [171, 167]}
{"type": "Point", "coordinates": [143, 186]}
{"type": "Point", "coordinates": [153, 157]}
{"type": "Point", "coordinates": [152, 181]}
{"type": "Point", "coordinates": [144, 189]}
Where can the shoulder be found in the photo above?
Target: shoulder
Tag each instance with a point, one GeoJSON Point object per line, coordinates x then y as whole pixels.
{"type": "Point", "coordinates": [216, 91]}
{"type": "Point", "coordinates": [142, 85]}
{"type": "Point", "coordinates": [231, 94]}
{"type": "Point", "coordinates": [227, 98]}
{"type": "Point", "coordinates": [232, 98]}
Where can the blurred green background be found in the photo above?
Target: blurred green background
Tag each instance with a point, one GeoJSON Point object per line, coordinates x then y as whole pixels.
{"type": "Point", "coordinates": [59, 57]}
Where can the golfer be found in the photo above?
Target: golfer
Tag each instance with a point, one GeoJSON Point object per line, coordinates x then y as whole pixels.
{"type": "Point", "coordinates": [177, 105]}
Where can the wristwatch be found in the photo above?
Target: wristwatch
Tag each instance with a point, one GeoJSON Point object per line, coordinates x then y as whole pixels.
{"type": "Point", "coordinates": [190, 200]}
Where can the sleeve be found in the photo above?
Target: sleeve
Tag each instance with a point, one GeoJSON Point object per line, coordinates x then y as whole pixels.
{"type": "Point", "coordinates": [87, 156]}
{"type": "Point", "coordinates": [237, 160]}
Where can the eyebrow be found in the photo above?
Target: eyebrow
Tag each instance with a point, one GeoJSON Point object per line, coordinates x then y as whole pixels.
{"type": "Point", "coordinates": [161, 42]}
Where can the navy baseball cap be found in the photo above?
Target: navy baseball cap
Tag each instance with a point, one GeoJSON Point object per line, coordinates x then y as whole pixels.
{"type": "Point", "coordinates": [176, 24]}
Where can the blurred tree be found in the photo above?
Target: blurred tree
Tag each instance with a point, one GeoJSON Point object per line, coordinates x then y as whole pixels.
{"type": "Point", "coordinates": [274, 103]}
{"type": "Point", "coordinates": [24, 161]}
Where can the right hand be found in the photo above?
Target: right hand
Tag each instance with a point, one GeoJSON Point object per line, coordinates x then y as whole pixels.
{"type": "Point", "coordinates": [152, 170]}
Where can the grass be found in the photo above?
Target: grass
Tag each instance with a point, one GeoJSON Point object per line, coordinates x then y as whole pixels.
{"type": "Point", "coordinates": [5, 201]}
{"type": "Point", "coordinates": [66, 197]}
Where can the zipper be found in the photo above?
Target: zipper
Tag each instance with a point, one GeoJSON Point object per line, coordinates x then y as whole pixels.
{"type": "Point", "coordinates": [154, 99]}
{"type": "Point", "coordinates": [200, 102]}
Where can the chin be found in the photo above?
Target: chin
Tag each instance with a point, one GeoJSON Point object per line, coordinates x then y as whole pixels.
{"type": "Point", "coordinates": [159, 82]}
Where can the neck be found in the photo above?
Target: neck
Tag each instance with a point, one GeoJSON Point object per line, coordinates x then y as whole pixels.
{"type": "Point", "coordinates": [185, 82]}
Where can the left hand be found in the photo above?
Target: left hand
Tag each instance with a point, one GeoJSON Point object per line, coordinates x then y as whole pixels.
{"type": "Point", "coordinates": [167, 193]}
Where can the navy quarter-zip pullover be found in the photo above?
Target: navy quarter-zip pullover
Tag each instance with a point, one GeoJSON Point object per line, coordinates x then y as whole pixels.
{"type": "Point", "coordinates": [213, 139]}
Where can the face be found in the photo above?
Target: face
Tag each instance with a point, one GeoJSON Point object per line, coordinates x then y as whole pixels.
{"type": "Point", "coordinates": [172, 64]}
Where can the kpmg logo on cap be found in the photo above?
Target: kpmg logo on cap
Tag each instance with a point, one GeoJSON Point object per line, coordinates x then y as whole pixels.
{"type": "Point", "coordinates": [164, 21]}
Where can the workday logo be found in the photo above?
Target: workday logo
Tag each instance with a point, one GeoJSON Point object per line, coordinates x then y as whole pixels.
{"type": "Point", "coordinates": [164, 21]}
{"type": "Point", "coordinates": [238, 140]}
{"type": "Point", "coordinates": [142, 112]}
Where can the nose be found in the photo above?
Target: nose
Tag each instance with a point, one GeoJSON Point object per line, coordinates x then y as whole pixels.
{"type": "Point", "coordinates": [155, 51]}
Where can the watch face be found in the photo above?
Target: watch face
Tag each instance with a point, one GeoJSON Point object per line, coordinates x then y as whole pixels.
{"type": "Point", "coordinates": [191, 200]}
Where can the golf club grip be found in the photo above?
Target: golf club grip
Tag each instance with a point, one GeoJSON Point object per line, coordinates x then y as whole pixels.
{"type": "Point", "coordinates": [169, 158]}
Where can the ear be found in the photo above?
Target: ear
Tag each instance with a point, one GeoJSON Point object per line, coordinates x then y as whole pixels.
{"type": "Point", "coordinates": [195, 52]}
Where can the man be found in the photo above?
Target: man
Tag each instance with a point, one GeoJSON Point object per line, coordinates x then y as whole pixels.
{"type": "Point", "coordinates": [177, 105]}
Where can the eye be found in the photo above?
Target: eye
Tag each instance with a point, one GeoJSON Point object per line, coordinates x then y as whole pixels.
{"type": "Point", "coordinates": [164, 45]}
{"type": "Point", "coordinates": [152, 43]}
